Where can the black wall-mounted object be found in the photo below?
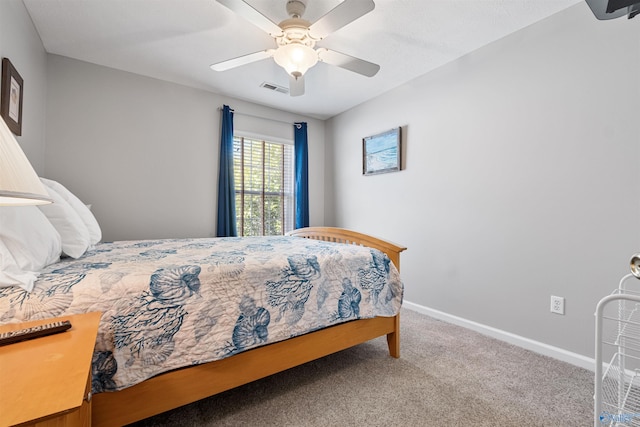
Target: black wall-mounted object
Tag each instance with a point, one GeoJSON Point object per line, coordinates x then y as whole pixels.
{"type": "Point", "coordinates": [610, 9]}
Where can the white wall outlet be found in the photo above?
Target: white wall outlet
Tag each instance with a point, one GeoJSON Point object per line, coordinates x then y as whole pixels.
{"type": "Point", "coordinates": [557, 304]}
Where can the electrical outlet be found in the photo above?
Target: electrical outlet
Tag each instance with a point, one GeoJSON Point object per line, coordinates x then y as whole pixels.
{"type": "Point", "coordinates": [557, 304]}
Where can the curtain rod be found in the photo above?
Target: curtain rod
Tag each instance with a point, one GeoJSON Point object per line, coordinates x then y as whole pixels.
{"type": "Point", "coordinates": [258, 117]}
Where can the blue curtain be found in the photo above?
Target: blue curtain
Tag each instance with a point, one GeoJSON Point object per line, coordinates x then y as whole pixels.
{"type": "Point", "coordinates": [226, 226]}
{"type": "Point", "coordinates": [301, 171]}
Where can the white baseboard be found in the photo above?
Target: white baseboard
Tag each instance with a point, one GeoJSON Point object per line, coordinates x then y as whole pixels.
{"type": "Point", "coordinates": [526, 343]}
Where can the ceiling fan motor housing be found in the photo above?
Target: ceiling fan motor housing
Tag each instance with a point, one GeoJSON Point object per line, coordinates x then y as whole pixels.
{"type": "Point", "coordinates": [295, 30]}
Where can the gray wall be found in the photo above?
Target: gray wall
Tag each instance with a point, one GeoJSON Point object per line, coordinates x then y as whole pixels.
{"type": "Point", "coordinates": [20, 42]}
{"type": "Point", "coordinates": [520, 180]}
{"type": "Point", "coordinates": [145, 152]}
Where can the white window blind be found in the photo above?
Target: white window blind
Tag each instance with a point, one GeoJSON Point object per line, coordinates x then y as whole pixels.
{"type": "Point", "coordinates": [263, 175]}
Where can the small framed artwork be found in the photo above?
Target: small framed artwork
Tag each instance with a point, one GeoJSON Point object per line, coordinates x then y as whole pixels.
{"type": "Point", "coordinates": [381, 153]}
{"type": "Point", "coordinates": [11, 97]}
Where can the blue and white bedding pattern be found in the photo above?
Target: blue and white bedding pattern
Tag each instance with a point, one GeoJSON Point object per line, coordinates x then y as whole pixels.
{"type": "Point", "coordinates": [167, 304]}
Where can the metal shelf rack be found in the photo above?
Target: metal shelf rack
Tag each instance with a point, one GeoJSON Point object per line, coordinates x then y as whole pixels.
{"type": "Point", "coordinates": [617, 370]}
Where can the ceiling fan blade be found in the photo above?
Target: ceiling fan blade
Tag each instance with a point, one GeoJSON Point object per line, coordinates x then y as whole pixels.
{"type": "Point", "coordinates": [341, 15]}
{"type": "Point", "coordinates": [252, 15]}
{"type": "Point", "coordinates": [347, 62]}
{"type": "Point", "coordinates": [296, 85]}
{"type": "Point", "coordinates": [242, 60]}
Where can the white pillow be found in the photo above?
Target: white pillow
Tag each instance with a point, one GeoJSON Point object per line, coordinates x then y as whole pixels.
{"type": "Point", "coordinates": [95, 233]}
{"type": "Point", "coordinates": [10, 272]}
{"type": "Point", "coordinates": [74, 234]}
{"type": "Point", "coordinates": [28, 243]}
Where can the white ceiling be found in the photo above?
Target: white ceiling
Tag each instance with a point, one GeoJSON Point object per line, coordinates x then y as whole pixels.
{"type": "Point", "coordinates": [177, 41]}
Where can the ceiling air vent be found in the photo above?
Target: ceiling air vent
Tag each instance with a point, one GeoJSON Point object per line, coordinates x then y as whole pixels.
{"type": "Point", "coordinates": [274, 87]}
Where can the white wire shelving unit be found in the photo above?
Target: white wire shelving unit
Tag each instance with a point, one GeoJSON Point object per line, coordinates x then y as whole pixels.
{"type": "Point", "coordinates": [617, 370]}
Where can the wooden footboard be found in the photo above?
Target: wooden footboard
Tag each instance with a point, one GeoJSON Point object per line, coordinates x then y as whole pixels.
{"type": "Point", "coordinates": [180, 387]}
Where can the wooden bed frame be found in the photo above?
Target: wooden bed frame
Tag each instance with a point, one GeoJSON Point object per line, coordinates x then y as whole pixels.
{"type": "Point", "coordinates": [183, 386]}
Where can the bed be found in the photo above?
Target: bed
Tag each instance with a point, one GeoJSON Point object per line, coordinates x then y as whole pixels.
{"type": "Point", "coordinates": [138, 375]}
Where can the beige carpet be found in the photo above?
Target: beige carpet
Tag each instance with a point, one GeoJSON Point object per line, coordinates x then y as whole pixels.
{"type": "Point", "coordinates": [446, 376]}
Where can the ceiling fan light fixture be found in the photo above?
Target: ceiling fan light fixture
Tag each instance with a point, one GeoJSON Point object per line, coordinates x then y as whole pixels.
{"type": "Point", "coordinates": [295, 58]}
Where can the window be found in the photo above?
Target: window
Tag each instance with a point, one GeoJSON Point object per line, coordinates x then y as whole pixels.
{"type": "Point", "coordinates": [263, 175]}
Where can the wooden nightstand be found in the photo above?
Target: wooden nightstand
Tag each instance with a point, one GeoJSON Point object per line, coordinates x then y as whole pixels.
{"type": "Point", "coordinates": [46, 381]}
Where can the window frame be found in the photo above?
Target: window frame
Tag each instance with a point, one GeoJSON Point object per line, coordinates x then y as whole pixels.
{"type": "Point", "coordinates": [288, 198]}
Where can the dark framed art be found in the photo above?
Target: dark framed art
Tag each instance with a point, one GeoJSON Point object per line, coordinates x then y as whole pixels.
{"type": "Point", "coordinates": [381, 153]}
{"type": "Point", "coordinates": [11, 97]}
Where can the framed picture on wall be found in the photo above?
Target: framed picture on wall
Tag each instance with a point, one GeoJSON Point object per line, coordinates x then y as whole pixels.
{"type": "Point", "coordinates": [11, 97]}
{"type": "Point", "coordinates": [381, 153]}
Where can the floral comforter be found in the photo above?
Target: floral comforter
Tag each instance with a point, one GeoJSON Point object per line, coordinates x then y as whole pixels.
{"type": "Point", "coordinates": [173, 303]}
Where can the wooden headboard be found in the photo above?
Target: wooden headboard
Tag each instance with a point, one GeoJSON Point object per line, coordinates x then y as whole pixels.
{"type": "Point", "coordinates": [341, 235]}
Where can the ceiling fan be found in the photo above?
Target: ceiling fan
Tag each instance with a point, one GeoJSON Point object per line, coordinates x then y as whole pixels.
{"type": "Point", "coordinates": [296, 39]}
